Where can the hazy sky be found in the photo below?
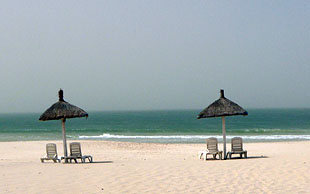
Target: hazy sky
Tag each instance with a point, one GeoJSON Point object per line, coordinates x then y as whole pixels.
{"type": "Point", "coordinates": [124, 55]}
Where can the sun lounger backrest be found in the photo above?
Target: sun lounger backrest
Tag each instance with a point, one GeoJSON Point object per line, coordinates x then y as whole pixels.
{"type": "Point", "coordinates": [75, 149]}
{"type": "Point", "coordinates": [51, 150]}
{"type": "Point", "coordinates": [236, 144]}
{"type": "Point", "coordinates": [212, 144]}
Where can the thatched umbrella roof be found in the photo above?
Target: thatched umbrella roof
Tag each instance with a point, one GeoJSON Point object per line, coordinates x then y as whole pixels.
{"type": "Point", "coordinates": [222, 107]}
{"type": "Point", "coordinates": [62, 109]}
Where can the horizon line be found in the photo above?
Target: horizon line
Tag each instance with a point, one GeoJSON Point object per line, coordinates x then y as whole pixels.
{"type": "Point", "coordinates": [132, 110]}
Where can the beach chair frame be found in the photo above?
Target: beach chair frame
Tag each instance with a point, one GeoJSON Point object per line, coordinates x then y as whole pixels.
{"type": "Point", "coordinates": [76, 153]}
{"type": "Point", "coordinates": [237, 148]}
{"type": "Point", "coordinates": [212, 149]}
{"type": "Point", "coordinates": [51, 153]}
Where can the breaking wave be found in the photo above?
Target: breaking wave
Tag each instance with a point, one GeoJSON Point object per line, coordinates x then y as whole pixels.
{"type": "Point", "coordinates": [107, 136]}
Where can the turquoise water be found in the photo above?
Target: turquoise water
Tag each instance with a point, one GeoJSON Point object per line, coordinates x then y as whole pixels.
{"type": "Point", "coordinates": [173, 126]}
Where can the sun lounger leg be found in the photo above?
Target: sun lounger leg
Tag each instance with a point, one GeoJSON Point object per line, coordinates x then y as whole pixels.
{"type": "Point", "coordinates": [199, 155]}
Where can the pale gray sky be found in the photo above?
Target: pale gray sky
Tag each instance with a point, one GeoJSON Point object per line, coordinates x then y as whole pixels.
{"type": "Point", "coordinates": [124, 55]}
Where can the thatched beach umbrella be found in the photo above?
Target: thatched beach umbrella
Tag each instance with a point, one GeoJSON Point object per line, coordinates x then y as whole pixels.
{"type": "Point", "coordinates": [221, 108]}
{"type": "Point", "coordinates": [62, 110]}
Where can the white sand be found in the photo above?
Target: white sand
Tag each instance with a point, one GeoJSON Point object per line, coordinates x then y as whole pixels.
{"type": "Point", "coordinates": [155, 168]}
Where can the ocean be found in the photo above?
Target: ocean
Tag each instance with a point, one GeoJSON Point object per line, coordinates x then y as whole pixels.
{"type": "Point", "coordinates": [170, 126]}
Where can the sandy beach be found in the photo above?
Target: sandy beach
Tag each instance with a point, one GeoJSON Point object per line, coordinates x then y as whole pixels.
{"type": "Point", "coordinates": [120, 167]}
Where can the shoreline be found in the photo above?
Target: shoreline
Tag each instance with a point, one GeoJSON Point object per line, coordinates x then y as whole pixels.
{"type": "Point", "coordinates": [166, 142]}
{"type": "Point", "coordinates": [117, 141]}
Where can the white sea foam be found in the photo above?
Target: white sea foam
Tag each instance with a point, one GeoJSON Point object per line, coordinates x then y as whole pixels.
{"type": "Point", "coordinates": [247, 137]}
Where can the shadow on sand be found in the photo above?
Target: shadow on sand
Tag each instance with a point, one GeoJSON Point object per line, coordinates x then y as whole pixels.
{"type": "Point", "coordinates": [238, 158]}
{"type": "Point", "coordinates": [249, 157]}
{"type": "Point", "coordinates": [102, 162]}
{"type": "Point", "coordinates": [94, 162]}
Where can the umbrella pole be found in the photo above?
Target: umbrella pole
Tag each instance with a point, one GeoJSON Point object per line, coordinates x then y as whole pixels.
{"type": "Point", "coordinates": [64, 139]}
{"type": "Point", "coordinates": [224, 136]}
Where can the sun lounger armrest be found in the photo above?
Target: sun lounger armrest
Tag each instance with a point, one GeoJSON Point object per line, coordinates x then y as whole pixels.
{"type": "Point", "coordinates": [43, 158]}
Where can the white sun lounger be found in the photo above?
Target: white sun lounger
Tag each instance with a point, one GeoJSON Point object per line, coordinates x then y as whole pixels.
{"type": "Point", "coordinates": [76, 153]}
{"type": "Point", "coordinates": [212, 149]}
{"type": "Point", "coordinates": [51, 153]}
{"type": "Point", "coordinates": [237, 147]}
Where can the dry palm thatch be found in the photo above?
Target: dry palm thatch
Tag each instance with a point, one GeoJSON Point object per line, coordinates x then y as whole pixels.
{"type": "Point", "coordinates": [62, 110]}
{"type": "Point", "coordinates": [222, 107]}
